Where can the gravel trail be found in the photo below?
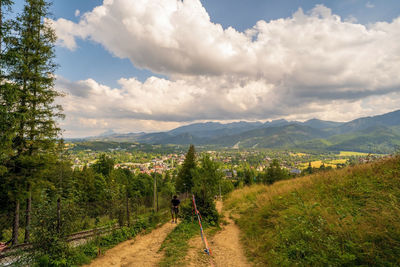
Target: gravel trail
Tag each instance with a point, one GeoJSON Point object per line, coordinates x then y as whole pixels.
{"type": "Point", "coordinates": [143, 250]}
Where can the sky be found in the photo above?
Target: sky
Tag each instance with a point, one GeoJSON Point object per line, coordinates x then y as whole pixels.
{"type": "Point", "coordinates": [153, 65]}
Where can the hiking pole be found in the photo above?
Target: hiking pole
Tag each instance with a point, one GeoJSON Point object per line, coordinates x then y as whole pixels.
{"type": "Point", "coordinates": [203, 237]}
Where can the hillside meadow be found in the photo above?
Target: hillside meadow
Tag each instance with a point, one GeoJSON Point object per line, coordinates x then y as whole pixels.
{"type": "Point", "coordinates": [339, 217]}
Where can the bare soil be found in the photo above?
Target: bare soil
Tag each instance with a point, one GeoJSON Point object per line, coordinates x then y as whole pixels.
{"type": "Point", "coordinates": [141, 251]}
{"type": "Point", "coordinates": [144, 249]}
{"type": "Point", "coordinates": [225, 247]}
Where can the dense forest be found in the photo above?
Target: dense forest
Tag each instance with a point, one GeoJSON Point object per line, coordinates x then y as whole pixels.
{"type": "Point", "coordinates": [40, 193]}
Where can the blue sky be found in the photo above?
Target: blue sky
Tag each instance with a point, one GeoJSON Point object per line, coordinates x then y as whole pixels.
{"type": "Point", "coordinates": [152, 65]}
{"type": "Point", "coordinates": [240, 14]}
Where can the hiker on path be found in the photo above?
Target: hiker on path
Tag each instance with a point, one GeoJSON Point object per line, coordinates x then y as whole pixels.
{"type": "Point", "coordinates": [175, 208]}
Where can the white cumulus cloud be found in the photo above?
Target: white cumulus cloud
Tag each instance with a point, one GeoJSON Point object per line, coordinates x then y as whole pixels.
{"type": "Point", "coordinates": [158, 104]}
{"type": "Point", "coordinates": [310, 62]}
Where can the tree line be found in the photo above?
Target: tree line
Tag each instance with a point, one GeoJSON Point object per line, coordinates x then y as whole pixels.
{"type": "Point", "coordinates": [38, 188]}
{"type": "Point", "coordinates": [204, 179]}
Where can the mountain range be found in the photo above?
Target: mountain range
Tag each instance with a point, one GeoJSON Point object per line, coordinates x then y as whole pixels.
{"type": "Point", "coordinates": [378, 134]}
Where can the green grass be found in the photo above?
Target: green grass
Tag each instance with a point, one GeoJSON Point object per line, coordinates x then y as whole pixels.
{"type": "Point", "coordinates": [342, 217]}
{"type": "Point", "coordinates": [176, 244]}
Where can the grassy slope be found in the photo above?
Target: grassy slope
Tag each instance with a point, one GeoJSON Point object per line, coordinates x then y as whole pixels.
{"type": "Point", "coordinates": [341, 217]}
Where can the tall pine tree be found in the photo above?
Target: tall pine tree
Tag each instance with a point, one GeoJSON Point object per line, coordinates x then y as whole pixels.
{"type": "Point", "coordinates": [32, 72]}
{"type": "Point", "coordinates": [184, 181]}
{"type": "Point", "coordinates": [7, 93]}
{"type": "Point", "coordinates": [5, 6]}
{"type": "Point", "coordinates": [7, 104]}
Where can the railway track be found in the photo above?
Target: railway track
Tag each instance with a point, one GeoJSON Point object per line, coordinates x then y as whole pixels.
{"type": "Point", "coordinates": [12, 255]}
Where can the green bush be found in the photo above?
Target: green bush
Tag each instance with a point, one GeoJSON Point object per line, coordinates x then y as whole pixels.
{"type": "Point", "coordinates": [49, 235]}
{"type": "Point", "coordinates": [155, 218]}
{"type": "Point", "coordinates": [186, 211]}
{"type": "Point", "coordinates": [208, 211]}
{"type": "Point", "coordinates": [226, 187]}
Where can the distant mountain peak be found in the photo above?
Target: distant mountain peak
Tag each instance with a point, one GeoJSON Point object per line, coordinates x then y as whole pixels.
{"type": "Point", "coordinates": [377, 133]}
{"type": "Point", "coordinates": [107, 133]}
{"type": "Point", "coordinates": [313, 119]}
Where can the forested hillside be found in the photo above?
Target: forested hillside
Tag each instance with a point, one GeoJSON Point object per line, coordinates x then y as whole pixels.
{"type": "Point", "coordinates": [378, 134]}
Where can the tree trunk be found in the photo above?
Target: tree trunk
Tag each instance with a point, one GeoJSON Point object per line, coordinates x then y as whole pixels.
{"type": "Point", "coordinates": [16, 224]}
{"type": "Point", "coordinates": [28, 215]}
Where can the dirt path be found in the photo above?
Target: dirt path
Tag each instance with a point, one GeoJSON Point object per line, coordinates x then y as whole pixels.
{"type": "Point", "coordinates": [225, 246]}
{"type": "Point", "coordinates": [196, 255]}
{"type": "Point", "coordinates": [141, 251]}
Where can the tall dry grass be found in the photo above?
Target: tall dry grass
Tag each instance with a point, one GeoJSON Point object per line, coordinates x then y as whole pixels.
{"type": "Point", "coordinates": [341, 217]}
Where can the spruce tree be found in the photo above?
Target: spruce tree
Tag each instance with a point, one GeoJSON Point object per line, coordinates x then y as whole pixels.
{"type": "Point", "coordinates": [275, 173]}
{"type": "Point", "coordinates": [184, 181]}
{"type": "Point", "coordinates": [206, 184]}
{"type": "Point", "coordinates": [7, 94]}
{"type": "Point", "coordinates": [32, 72]}
{"type": "Point", "coordinates": [8, 101]}
{"type": "Point", "coordinates": [5, 6]}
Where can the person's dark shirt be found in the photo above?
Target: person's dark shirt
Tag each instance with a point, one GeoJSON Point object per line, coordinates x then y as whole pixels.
{"type": "Point", "coordinates": [175, 202]}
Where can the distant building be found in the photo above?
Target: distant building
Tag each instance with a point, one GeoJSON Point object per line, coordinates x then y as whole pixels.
{"type": "Point", "coordinates": [229, 174]}
{"type": "Point", "coordinates": [295, 171]}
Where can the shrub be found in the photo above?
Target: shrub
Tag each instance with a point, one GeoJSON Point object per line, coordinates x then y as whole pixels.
{"type": "Point", "coordinates": [226, 187]}
{"type": "Point", "coordinates": [186, 210]}
{"type": "Point", "coordinates": [49, 235]}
